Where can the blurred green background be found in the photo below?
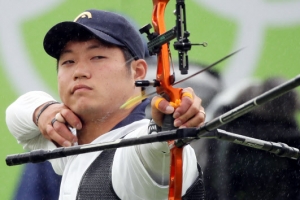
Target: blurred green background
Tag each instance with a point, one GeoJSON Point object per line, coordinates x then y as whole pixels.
{"type": "Point", "coordinates": [269, 29]}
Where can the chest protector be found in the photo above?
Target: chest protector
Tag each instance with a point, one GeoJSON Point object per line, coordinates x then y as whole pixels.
{"type": "Point", "coordinates": [96, 183]}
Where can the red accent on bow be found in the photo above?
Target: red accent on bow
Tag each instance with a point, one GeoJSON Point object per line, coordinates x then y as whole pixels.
{"type": "Point", "coordinates": [174, 95]}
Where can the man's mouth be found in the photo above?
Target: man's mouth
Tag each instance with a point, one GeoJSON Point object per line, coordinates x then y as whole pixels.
{"type": "Point", "coordinates": [80, 87]}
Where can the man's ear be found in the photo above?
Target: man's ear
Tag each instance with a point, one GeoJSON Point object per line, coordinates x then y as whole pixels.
{"type": "Point", "coordinates": [139, 69]}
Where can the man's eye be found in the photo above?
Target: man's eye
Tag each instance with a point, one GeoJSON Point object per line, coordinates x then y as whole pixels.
{"type": "Point", "coordinates": [97, 57]}
{"type": "Point", "coordinates": [67, 62]}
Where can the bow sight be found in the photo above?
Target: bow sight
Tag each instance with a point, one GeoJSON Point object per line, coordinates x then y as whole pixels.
{"type": "Point", "coordinates": [182, 44]}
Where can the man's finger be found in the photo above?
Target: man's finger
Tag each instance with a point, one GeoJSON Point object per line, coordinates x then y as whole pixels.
{"type": "Point", "coordinates": [196, 121]}
{"type": "Point", "coordinates": [60, 118]}
{"type": "Point", "coordinates": [71, 119]}
{"type": "Point", "coordinates": [162, 105]}
{"type": "Point", "coordinates": [54, 136]}
{"type": "Point", "coordinates": [64, 132]}
{"type": "Point", "coordinates": [187, 99]}
{"type": "Point", "coordinates": [187, 94]}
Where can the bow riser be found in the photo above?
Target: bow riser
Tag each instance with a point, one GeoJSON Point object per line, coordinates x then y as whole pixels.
{"type": "Point", "coordinates": [163, 75]}
{"type": "Point", "coordinates": [165, 89]}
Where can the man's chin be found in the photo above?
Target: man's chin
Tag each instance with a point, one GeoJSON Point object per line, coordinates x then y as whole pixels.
{"type": "Point", "coordinates": [83, 108]}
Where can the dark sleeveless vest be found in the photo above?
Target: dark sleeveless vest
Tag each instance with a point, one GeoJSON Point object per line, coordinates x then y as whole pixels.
{"type": "Point", "coordinates": [96, 183]}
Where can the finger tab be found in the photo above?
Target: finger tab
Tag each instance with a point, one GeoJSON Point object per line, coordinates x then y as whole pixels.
{"type": "Point", "coordinates": [176, 104]}
{"type": "Point", "coordinates": [158, 101]}
{"type": "Point", "coordinates": [187, 94]}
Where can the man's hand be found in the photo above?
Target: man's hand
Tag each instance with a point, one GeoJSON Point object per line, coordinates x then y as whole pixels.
{"type": "Point", "coordinates": [58, 132]}
{"type": "Point", "coordinates": [190, 113]}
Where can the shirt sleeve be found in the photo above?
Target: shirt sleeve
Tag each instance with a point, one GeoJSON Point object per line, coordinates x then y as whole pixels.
{"type": "Point", "coordinates": [19, 118]}
{"type": "Point", "coordinates": [132, 174]}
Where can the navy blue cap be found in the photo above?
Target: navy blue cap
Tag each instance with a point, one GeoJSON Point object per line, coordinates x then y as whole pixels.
{"type": "Point", "coordinates": [107, 26]}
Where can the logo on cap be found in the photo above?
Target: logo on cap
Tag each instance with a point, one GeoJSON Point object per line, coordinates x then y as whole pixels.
{"type": "Point", "coordinates": [83, 15]}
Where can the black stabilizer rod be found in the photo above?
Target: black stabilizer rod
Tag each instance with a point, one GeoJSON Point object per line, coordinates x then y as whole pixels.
{"type": "Point", "coordinates": [244, 108]}
{"type": "Point", "coordinates": [41, 155]}
{"type": "Point", "coordinates": [279, 149]}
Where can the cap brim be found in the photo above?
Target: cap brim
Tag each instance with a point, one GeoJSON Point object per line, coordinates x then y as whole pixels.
{"type": "Point", "coordinates": [57, 37]}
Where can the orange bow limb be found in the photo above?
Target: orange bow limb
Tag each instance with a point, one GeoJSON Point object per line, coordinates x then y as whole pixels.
{"type": "Point", "coordinates": [163, 62]}
{"type": "Point", "coordinates": [172, 94]}
{"type": "Point", "coordinates": [175, 182]}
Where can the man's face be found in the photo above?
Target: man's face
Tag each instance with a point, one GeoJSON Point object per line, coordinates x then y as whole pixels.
{"type": "Point", "coordinates": [93, 78]}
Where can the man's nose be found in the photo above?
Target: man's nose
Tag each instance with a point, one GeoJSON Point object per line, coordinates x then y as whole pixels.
{"type": "Point", "coordinates": [82, 70]}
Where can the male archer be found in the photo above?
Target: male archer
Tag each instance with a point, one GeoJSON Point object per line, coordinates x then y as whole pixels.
{"type": "Point", "coordinates": [99, 57]}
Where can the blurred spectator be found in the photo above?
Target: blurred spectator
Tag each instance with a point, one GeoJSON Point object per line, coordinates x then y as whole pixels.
{"type": "Point", "coordinates": [237, 172]}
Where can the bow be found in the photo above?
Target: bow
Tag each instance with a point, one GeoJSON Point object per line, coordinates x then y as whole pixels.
{"type": "Point", "coordinates": [159, 44]}
{"type": "Point", "coordinates": [165, 89]}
